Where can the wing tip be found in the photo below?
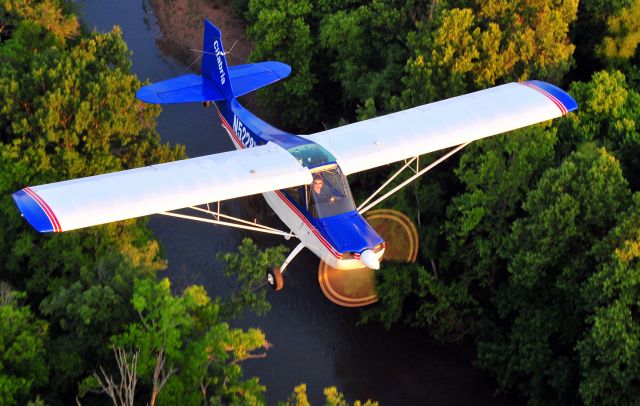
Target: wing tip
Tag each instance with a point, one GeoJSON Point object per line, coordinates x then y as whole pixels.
{"type": "Point", "coordinates": [146, 95]}
{"type": "Point", "coordinates": [34, 212]}
{"type": "Point", "coordinates": [281, 69]}
{"type": "Point", "coordinates": [568, 104]}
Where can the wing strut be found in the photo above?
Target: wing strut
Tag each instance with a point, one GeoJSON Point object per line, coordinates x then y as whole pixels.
{"type": "Point", "coordinates": [362, 209]}
{"type": "Point", "coordinates": [409, 162]}
{"type": "Point", "coordinates": [235, 222]}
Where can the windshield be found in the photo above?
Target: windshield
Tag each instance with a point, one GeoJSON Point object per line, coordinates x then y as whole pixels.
{"type": "Point", "coordinates": [330, 194]}
{"type": "Point", "coordinates": [311, 155]}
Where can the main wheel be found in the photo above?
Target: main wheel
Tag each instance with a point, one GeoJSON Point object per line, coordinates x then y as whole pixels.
{"type": "Point", "coordinates": [274, 278]}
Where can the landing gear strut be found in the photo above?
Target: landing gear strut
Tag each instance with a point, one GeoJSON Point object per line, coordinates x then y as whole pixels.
{"type": "Point", "coordinates": [274, 275]}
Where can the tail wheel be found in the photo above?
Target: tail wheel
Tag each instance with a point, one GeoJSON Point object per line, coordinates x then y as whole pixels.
{"type": "Point", "coordinates": [274, 278]}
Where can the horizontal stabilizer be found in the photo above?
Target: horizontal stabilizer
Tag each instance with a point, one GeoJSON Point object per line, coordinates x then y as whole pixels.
{"type": "Point", "coordinates": [195, 89]}
{"type": "Point", "coordinates": [183, 89]}
{"type": "Point", "coordinates": [253, 76]}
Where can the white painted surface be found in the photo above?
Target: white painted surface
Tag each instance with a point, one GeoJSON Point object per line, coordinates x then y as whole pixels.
{"type": "Point", "coordinates": [435, 126]}
{"type": "Point", "coordinates": [138, 192]}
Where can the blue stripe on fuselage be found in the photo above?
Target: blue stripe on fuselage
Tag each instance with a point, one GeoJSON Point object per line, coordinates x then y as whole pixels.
{"type": "Point", "coordinates": [253, 131]}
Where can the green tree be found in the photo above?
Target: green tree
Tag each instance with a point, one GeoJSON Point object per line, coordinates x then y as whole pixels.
{"type": "Point", "coordinates": [453, 295]}
{"type": "Point", "coordinates": [331, 394]}
{"type": "Point", "coordinates": [85, 292]}
{"type": "Point", "coordinates": [23, 365]}
{"type": "Point", "coordinates": [298, 397]}
{"type": "Point", "coordinates": [68, 111]}
{"type": "Point", "coordinates": [394, 284]}
{"type": "Point", "coordinates": [343, 53]}
{"type": "Point", "coordinates": [248, 265]}
{"type": "Point", "coordinates": [366, 48]}
{"type": "Point", "coordinates": [335, 398]}
{"type": "Point", "coordinates": [623, 36]}
{"type": "Point", "coordinates": [484, 44]}
{"type": "Point", "coordinates": [203, 353]}
{"type": "Point", "coordinates": [497, 174]}
{"type": "Point", "coordinates": [608, 115]}
{"type": "Point", "coordinates": [280, 31]}
{"type": "Point", "coordinates": [550, 256]}
{"type": "Point", "coordinates": [606, 35]}
{"type": "Point", "coordinates": [609, 351]}
{"type": "Point", "coordinates": [49, 14]}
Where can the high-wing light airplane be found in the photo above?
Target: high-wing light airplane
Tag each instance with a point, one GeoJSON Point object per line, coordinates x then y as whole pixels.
{"type": "Point", "coordinates": [302, 177]}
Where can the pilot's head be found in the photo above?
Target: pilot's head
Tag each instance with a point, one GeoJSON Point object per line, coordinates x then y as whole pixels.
{"type": "Point", "coordinates": [317, 184]}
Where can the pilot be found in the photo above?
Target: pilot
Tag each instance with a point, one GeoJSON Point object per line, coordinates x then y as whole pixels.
{"type": "Point", "coordinates": [321, 192]}
{"type": "Point", "coordinates": [318, 184]}
{"type": "Point", "coordinates": [319, 195]}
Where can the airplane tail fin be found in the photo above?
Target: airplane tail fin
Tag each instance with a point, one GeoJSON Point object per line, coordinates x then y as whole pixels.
{"type": "Point", "coordinates": [215, 82]}
{"type": "Point", "coordinates": [214, 60]}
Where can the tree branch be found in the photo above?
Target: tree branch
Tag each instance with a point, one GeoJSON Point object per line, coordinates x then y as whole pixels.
{"type": "Point", "coordinates": [121, 394]}
{"type": "Point", "coordinates": [160, 376]}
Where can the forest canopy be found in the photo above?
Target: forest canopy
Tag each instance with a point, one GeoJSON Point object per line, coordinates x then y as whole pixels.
{"type": "Point", "coordinates": [530, 241]}
{"type": "Point", "coordinates": [68, 110]}
{"type": "Point", "coordinates": [83, 316]}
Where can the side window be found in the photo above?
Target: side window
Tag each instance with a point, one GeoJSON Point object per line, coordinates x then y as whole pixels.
{"type": "Point", "coordinates": [297, 194]}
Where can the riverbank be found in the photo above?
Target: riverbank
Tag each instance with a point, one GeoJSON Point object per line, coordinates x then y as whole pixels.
{"type": "Point", "coordinates": [180, 22]}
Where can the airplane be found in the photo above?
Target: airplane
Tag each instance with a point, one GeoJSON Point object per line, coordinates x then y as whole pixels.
{"type": "Point", "coordinates": [302, 177]}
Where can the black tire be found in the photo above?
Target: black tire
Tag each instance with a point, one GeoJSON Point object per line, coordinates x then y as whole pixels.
{"type": "Point", "coordinates": [274, 278]}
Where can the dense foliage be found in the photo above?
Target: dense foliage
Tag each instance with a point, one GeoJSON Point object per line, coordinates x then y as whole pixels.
{"type": "Point", "coordinates": [82, 314]}
{"type": "Point", "coordinates": [529, 241]}
{"type": "Point", "coordinates": [67, 111]}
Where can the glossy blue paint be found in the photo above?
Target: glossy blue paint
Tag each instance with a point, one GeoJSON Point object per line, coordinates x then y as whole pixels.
{"type": "Point", "coordinates": [242, 120]}
{"type": "Point", "coordinates": [196, 89]}
{"type": "Point", "coordinates": [215, 84]}
{"type": "Point", "coordinates": [214, 61]}
{"type": "Point", "coordinates": [182, 89]}
{"type": "Point", "coordinates": [249, 77]}
{"type": "Point", "coordinates": [563, 97]}
{"type": "Point", "coordinates": [348, 232]}
{"type": "Point", "coordinates": [32, 211]}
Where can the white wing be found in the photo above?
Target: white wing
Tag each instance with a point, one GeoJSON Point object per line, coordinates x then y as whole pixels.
{"type": "Point", "coordinates": [138, 192]}
{"type": "Point", "coordinates": [431, 127]}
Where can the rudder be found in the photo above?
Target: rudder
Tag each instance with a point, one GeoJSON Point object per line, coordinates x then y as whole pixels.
{"type": "Point", "coordinates": [214, 61]}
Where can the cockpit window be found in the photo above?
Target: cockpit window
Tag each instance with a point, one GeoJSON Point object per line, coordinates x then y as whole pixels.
{"type": "Point", "coordinates": [330, 193]}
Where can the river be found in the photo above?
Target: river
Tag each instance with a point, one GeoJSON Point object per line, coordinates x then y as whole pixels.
{"type": "Point", "coordinates": [314, 341]}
